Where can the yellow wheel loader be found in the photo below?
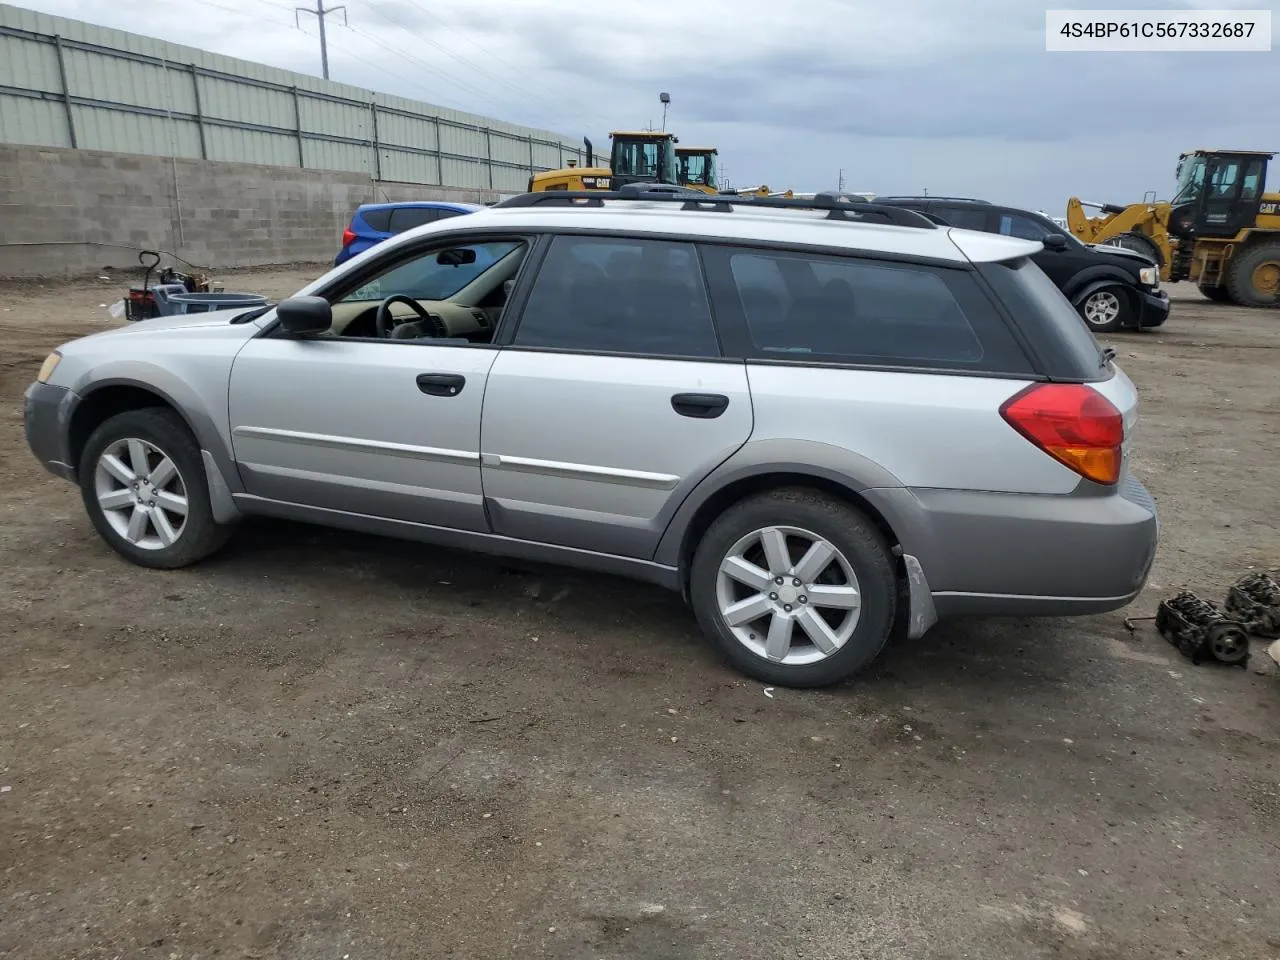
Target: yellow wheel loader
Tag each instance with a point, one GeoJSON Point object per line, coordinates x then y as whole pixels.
{"type": "Point", "coordinates": [1221, 230]}
{"type": "Point", "coordinates": [647, 156]}
{"type": "Point", "coordinates": [696, 168]}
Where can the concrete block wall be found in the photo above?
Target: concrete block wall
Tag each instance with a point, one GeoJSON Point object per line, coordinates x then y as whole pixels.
{"type": "Point", "coordinates": [62, 210]}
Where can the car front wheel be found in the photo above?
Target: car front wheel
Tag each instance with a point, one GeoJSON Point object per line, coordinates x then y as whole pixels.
{"type": "Point", "coordinates": [144, 487]}
{"type": "Point", "coordinates": [794, 588]}
{"type": "Point", "coordinates": [1107, 309]}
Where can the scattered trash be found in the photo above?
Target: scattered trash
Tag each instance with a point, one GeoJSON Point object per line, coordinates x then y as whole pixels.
{"type": "Point", "coordinates": [5, 789]}
{"type": "Point", "coordinates": [1201, 631]}
{"type": "Point", "coordinates": [768, 692]}
{"type": "Point", "coordinates": [116, 309]}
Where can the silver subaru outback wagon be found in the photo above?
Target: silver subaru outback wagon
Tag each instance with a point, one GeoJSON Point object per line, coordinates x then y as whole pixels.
{"type": "Point", "coordinates": [821, 421]}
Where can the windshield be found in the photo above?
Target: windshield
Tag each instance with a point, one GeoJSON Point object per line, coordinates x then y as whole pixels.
{"type": "Point", "coordinates": [426, 279]}
{"type": "Point", "coordinates": [1190, 179]}
{"type": "Point", "coordinates": [635, 158]}
{"type": "Point", "coordinates": [698, 168]}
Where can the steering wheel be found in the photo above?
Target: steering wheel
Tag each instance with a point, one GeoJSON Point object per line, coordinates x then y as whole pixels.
{"type": "Point", "coordinates": [382, 320]}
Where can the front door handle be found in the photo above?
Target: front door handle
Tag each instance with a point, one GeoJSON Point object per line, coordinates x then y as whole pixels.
{"type": "Point", "coordinates": [702, 406]}
{"type": "Point", "coordinates": [441, 384]}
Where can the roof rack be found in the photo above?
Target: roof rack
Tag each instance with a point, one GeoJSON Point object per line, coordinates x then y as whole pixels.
{"type": "Point", "coordinates": [935, 197]}
{"type": "Point", "coordinates": [838, 207]}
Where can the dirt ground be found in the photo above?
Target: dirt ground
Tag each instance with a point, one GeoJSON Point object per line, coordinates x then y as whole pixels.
{"type": "Point", "coordinates": [330, 746]}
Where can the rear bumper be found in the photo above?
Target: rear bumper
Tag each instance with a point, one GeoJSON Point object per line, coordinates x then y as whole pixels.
{"type": "Point", "coordinates": [1154, 309]}
{"type": "Point", "coordinates": [1001, 554]}
{"type": "Point", "coordinates": [46, 415]}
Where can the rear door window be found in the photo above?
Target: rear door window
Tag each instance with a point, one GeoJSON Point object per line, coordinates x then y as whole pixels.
{"type": "Point", "coordinates": [407, 218]}
{"type": "Point", "coordinates": [966, 218]}
{"type": "Point", "coordinates": [820, 308]}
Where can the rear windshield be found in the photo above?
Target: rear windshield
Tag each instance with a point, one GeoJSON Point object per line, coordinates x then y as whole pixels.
{"type": "Point", "coordinates": [1067, 348]}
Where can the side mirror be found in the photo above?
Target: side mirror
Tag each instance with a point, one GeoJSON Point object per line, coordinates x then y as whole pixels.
{"type": "Point", "coordinates": [1055, 241]}
{"type": "Point", "coordinates": [456, 256]}
{"type": "Point", "coordinates": [300, 315]}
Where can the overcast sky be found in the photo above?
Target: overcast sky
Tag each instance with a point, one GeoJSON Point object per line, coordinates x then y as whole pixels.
{"type": "Point", "coordinates": [955, 97]}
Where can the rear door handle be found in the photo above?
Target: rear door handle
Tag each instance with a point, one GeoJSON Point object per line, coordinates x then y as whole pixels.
{"type": "Point", "coordinates": [702, 406]}
{"type": "Point", "coordinates": [441, 384]}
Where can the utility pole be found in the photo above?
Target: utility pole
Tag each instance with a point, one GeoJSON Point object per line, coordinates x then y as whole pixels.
{"type": "Point", "coordinates": [320, 12]}
{"type": "Point", "coordinates": [841, 187]}
{"type": "Point", "coordinates": [665, 100]}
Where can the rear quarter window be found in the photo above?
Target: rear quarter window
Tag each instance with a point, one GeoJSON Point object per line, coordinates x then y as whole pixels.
{"type": "Point", "coordinates": [379, 220]}
{"type": "Point", "coordinates": [1065, 347]}
{"type": "Point", "coordinates": [849, 310]}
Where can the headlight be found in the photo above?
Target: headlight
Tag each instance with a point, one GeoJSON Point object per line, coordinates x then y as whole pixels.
{"type": "Point", "coordinates": [50, 364]}
{"type": "Point", "coordinates": [1150, 276]}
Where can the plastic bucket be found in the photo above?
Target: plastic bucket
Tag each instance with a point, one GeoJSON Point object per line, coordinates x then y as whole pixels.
{"type": "Point", "coordinates": [205, 302]}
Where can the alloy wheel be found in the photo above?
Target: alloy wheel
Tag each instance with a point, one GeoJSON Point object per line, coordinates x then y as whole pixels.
{"type": "Point", "coordinates": [788, 595]}
{"type": "Point", "coordinates": [141, 493]}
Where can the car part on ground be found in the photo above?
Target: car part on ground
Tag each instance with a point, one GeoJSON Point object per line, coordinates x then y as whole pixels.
{"type": "Point", "coordinates": [1201, 631]}
{"type": "Point", "coordinates": [775, 416]}
{"type": "Point", "coordinates": [1221, 230]}
{"type": "Point", "coordinates": [1254, 602]}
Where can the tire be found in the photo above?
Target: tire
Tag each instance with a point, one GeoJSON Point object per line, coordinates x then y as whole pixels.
{"type": "Point", "coordinates": [1216, 294]}
{"type": "Point", "coordinates": [1253, 277]}
{"type": "Point", "coordinates": [1139, 243]}
{"type": "Point", "coordinates": [1108, 309]}
{"type": "Point", "coordinates": [861, 558]}
{"type": "Point", "coordinates": [163, 537]}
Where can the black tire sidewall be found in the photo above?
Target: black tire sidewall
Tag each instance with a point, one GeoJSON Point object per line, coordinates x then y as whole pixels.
{"type": "Point", "coordinates": [1239, 276]}
{"type": "Point", "coordinates": [168, 433]}
{"type": "Point", "coordinates": [843, 526]}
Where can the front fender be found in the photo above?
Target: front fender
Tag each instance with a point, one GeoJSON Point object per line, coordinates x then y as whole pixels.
{"type": "Point", "coordinates": [198, 395]}
{"type": "Point", "coordinates": [1090, 281]}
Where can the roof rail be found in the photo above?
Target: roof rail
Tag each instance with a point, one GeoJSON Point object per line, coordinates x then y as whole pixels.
{"type": "Point", "coordinates": [935, 197]}
{"type": "Point", "coordinates": [838, 207]}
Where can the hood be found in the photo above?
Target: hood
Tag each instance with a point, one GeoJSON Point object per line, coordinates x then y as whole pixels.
{"type": "Point", "coordinates": [1122, 252]}
{"type": "Point", "coordinates": [217, 322]}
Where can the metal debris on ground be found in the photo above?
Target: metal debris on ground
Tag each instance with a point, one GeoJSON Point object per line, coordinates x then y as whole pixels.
{"type": "Point", "coordinates": [1253, 601]}
{"type": "Point", "coordinates": [1201, 631]}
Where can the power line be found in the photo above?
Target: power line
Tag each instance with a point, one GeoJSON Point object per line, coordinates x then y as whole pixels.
{"type": "Point", "coordinates": [556, 108]}
{"type": "Point", "coordinates": [320, 13]}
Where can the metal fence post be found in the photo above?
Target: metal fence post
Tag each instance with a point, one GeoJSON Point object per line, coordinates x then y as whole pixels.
{"type": "Point", "coordinates": [439, 161]}
{"type": "Point", "coordinates": [377, 147]}
{"type": "Point", "coordinates": [488, 153]}
{"type": "Point", "coordinates": [195, 89]}
{"type": "Point", "coordinates": [297, 126]}
{"type": "Point", "coordinates": [531, 169]}
{"type": "Point", "coordinates": [66, 92]}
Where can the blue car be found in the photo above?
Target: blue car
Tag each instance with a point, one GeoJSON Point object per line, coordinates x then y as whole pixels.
{"type": "Point", "coordinates": [374, 222]}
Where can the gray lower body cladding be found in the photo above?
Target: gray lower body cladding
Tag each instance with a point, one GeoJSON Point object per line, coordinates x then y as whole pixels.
{"type": "Point", "coordinates": [1004, 554]}
{"type": "Point", "coordinates": [46, 414]}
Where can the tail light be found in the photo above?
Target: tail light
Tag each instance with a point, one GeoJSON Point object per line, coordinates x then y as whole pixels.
{"type": "Point", "coordinates": [1074, 424]}
{"type": "Point", "coordinates": [348, 236]}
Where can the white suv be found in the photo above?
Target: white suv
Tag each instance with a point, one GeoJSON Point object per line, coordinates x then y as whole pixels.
{"type": "Point", "coordinates": [819, 420]}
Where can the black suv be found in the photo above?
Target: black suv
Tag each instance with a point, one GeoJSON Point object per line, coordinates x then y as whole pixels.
{"type": "Point", "coordinates": [1111, 287]}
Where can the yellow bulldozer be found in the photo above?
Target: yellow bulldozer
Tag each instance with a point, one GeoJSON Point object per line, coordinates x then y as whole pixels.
{"type": "Point", "coordinates": [1221, 230]}
{"type": "Point", "coordinates": [696, 168]}
{"type": "Point", "coordinates": [646, 156]}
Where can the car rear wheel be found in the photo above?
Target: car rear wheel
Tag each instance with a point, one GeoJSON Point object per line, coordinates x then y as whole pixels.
{"type": "Point", "coordinates": [144, 487]}
{"type": "Point", "coordinates": [1107, 309]}
{"type": "Point", "coordinates": [794, 588]}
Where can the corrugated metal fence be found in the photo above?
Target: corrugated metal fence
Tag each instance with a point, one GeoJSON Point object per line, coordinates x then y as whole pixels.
{"type": "Point", "coordinates": [66, 83]}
